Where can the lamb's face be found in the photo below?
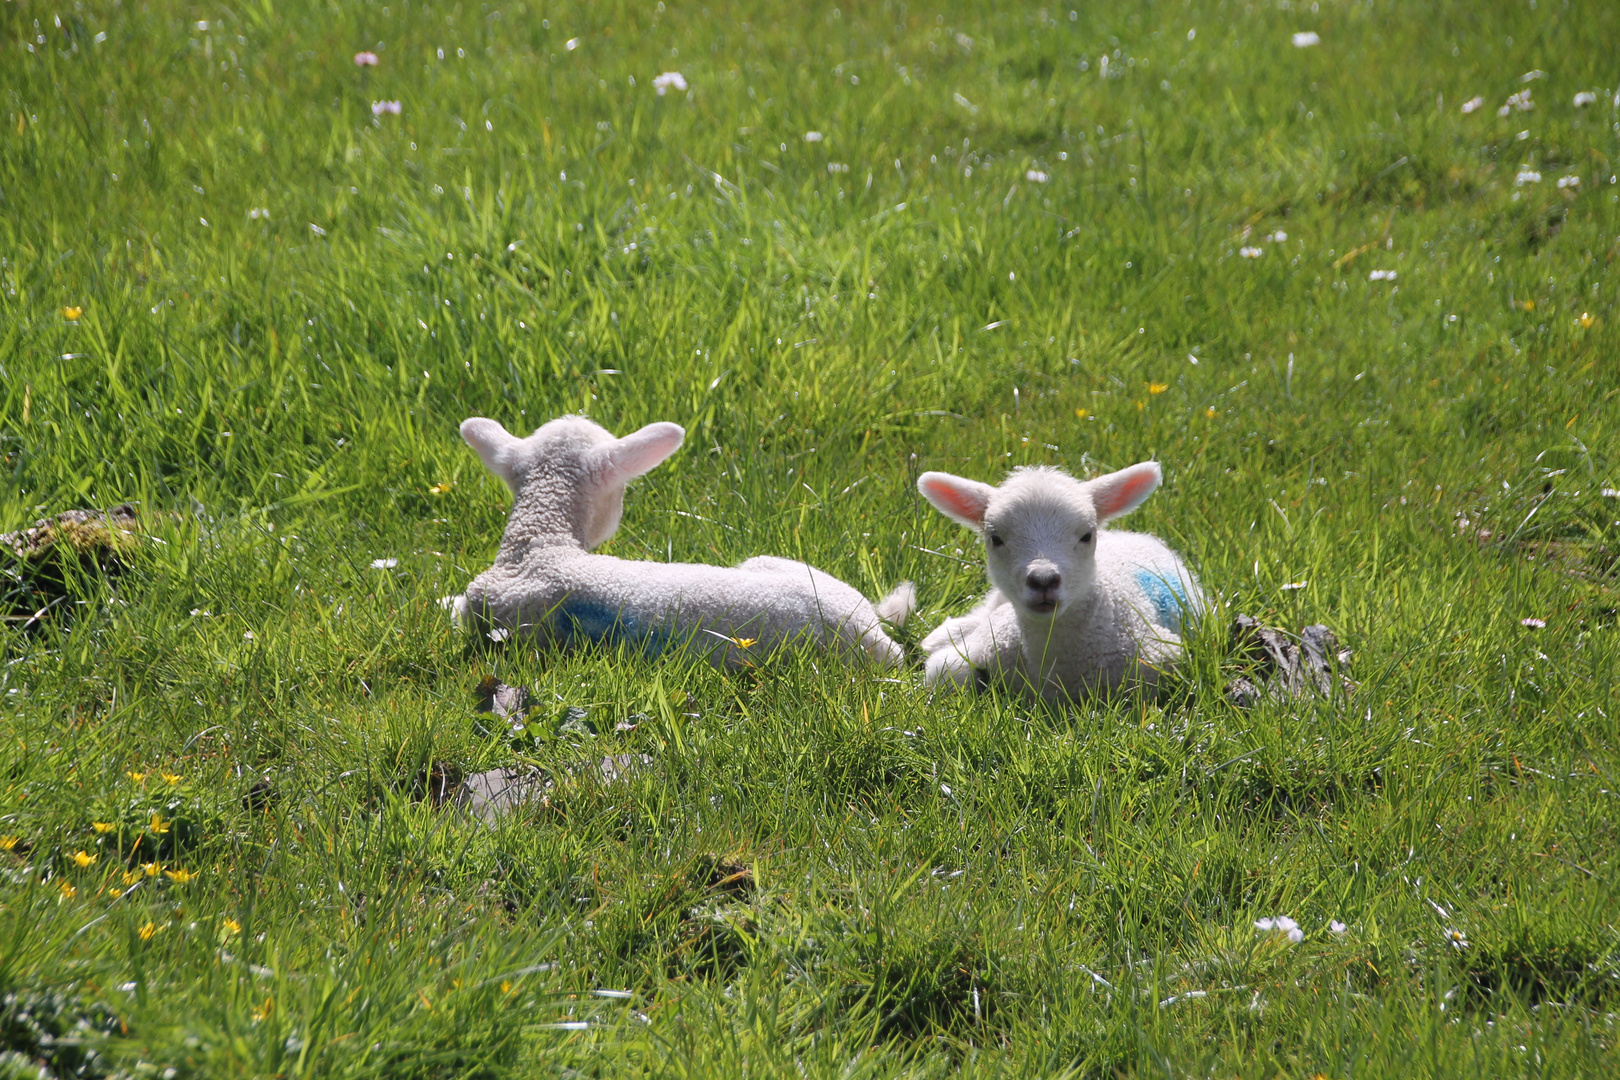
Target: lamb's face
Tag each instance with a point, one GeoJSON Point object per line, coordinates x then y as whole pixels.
{"type": "Point", "coordinates": [1040, 540]}
{"type": "Point", "coordinates": [1040, 528]}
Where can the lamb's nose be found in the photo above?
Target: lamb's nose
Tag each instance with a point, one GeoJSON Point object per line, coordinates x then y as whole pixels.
{"type": "Point", "coordinates": [1043, 580]}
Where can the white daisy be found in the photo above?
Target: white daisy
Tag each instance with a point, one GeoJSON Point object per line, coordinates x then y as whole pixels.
{"type": "Point", "coordinates": [668, 80]}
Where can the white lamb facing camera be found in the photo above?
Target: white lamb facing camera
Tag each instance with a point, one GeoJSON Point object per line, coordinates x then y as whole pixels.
{"type": "Point", "coordinates": [1075, 609]}
{"type": "Point", "coordinates": [567, 482]}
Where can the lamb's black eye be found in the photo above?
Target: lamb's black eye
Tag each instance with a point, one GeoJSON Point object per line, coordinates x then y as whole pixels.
{"type": "Point", "coordinates": [996, 541]}
{"type": "Point", "coordinates": [1085, 539]}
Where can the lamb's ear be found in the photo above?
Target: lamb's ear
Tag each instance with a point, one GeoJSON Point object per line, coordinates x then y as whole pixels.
{"type": "Point", "coordinates": [489, 439]}
{"type": "Point", "coordinates": [1119, 493]}
{"type": "Point", "coordinates": [641, 451]}
{"type": "Point", "coordinates": [957, 498]}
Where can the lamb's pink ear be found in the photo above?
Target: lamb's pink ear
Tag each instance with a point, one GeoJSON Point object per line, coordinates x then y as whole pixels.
{"type": "Point", "coordinates": [957, 498]}
{"type": "Point", "coordinates": [489, 439]}
{"type": "Point", "coordinates": [1119, 493]}
{"type": "Point", "coordinates": [640, 451]}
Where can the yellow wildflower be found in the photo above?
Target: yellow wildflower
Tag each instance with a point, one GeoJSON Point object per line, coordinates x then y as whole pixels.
{"type": "Point", "coordinates": [1140, 405]}
{"type": "Point", "coordinates": [1081, 414]}
{"type": "Point", "coordinates": [1157, 387]}
{"type": "Point", "coordinates": [263, 1011]}
{"type": "Point", "coordinates": [506, 986]}
{"type": "Point", "coordinates": [440, 488]}
{"type": "Point", "coordinates": [1210, 412]}
{"type": "Point", "coordinates": [8, 842]}
{"type": "Point", "coordinates": [137, 777]}
{"type": "Point", "coordinates": [743, 642]}
{"type": "Point", "coordinates": [131, 876]}
{"type": "Point", "coordinates": [231, 926]}
{"type": "Point", "coordinates": [170, 778]}
{"type": "Point", "coordinates": [1586, 320]}
{"type": "Point", "coordinates": [114, 891]}
{"type": "Point", "coordinates": [72, 313]}
{"type": "Point", "coordinates": [158, 825]}
{"type": "Point", "coordinates": [68, 890]}
{"type": "Point", "coordinates": [180, 877]}
{"type": "Point", "coordinates": [148, 931]}
{"type": "Point", "coordinates": [152, 869]}
{"type": "Point", "coordinates": [83, 859]}
{"type": "Point", "coordinates": [103, 826]}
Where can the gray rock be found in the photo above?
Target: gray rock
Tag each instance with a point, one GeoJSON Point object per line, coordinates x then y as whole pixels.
{"type": "Point", "coordinates": [488, 794]}
{"type": "Point", "coordinates": [1283, 669]}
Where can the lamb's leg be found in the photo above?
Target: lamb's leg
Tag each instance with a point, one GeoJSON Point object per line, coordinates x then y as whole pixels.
{"type": "Point", "coordinates": [985, 644]}
{"type": "Point", "coordinates": [960, 626]}
{"type": "Point", "coordinates": [949, 667]}
{"type": "Point", "coordinates": [460, 611]}
{"type": "Point", "coordinates": [882, 649]}
{"type": "Point", "coordinates": [844, 611]}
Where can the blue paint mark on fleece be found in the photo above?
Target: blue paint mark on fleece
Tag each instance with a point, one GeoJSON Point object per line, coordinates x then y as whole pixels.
{"type": "Point", "coordinates": [579, 622]}
{"type": "Point", "coordinates": [1168, 596]}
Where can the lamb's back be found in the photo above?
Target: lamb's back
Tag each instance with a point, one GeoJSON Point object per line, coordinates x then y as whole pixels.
{"type": "Point", "coordinates": [607, 600]}
{"type": "Point", "coordinates": [1144, 577]}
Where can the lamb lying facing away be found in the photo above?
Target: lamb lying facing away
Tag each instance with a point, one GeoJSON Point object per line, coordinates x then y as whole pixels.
{"type": "Point", "coordinates": [1075, 609]}
{"type": "Point", "coordinates": [567, 482]}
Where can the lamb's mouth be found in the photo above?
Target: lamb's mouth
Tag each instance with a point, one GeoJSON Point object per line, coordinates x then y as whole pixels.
{"type": "Point", "coordinates": [1042, 607]}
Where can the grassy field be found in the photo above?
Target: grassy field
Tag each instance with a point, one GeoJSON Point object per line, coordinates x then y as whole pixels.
{"type": "Point", "coordinates": [1370, 332]}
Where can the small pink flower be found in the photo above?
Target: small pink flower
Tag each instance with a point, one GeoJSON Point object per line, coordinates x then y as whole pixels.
{"type": "Point", "coordinates": [365, 59]}
{"type": "Point", "coordinates": [380, 107]}
{"type": "Point", "coordinates": [1534, 624]}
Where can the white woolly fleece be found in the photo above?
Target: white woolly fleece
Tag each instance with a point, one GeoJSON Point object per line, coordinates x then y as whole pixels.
{"type": "Point", "coordinates": [1076, 609]}
{"type": "Point", "coordinates": [568, 481]}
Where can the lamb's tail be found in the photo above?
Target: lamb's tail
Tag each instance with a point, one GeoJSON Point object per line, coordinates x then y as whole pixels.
{"type": "Point", "coordinates": [897, 607]}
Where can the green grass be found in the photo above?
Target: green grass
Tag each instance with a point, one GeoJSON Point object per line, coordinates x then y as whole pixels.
{"type": "Point", "coordinates": [934, 885]}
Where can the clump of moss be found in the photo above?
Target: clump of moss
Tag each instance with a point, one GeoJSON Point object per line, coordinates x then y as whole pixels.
{"type": "Point", "coordinates": [43, 559]}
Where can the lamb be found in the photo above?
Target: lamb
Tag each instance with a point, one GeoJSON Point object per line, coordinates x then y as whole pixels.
{"type": "Point", "coordinates": [568, 480]}
{"type": "Point", "coordinates": [1075, 609]}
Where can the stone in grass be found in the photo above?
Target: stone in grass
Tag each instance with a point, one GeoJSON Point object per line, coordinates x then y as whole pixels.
{"type": "Point", "coordinates": [510, 703]}
{"type": "Point", "coordinates": [41, 556]}
{"type": "Point", "coordinates": [487, 795]}
{"type": "Point", "coordinates": [1285, 669]}
{"type": "Point", "coordinates": [496, 791]}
